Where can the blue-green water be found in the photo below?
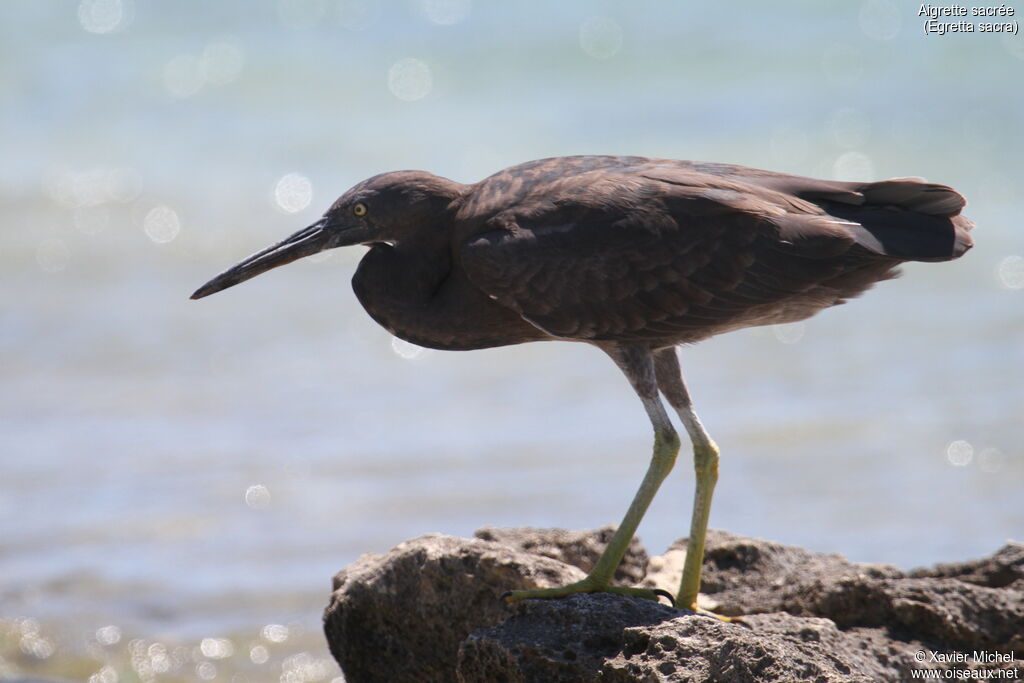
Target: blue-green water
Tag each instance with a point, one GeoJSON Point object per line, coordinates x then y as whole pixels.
{"type": "Point", "coordinates": [144, 146]}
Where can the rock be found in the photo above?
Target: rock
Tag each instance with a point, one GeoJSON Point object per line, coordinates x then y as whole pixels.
{"type": "Point", "coordinates": [865, 652]}
{"type": "Point", "coordinates": [430, 610]}
{"type": "Point", "coordinates": [999, 571]}
{"type": "Point", "coordinates": [556, 640]}
{"type": "Point", "coordinates": [402, 616]}
{"type": "Point", "coordinates": [609, 638]}
{"type": "Point", "coordinates": [744, 576]}
{"type": "Point", "coordinates": [749, 576]}
{"type": "Point", "coordinates": [949, 614]}
{"type": "Point", "coordinates": [578, 548]}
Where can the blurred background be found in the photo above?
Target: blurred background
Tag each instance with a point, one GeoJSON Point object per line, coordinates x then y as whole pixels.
{"type": "Point", "coordinates": [180, 480]}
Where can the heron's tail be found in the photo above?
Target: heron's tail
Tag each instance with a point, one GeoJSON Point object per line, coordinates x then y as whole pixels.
{"type": "Point", "coordinates": [910, 219]}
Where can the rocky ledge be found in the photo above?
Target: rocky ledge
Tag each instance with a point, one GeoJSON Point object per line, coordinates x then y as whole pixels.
{"type": "Point", "coordinates": [430, 610]}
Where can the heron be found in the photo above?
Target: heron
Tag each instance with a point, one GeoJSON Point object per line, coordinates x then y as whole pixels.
{"type": "Point", "coordinates": [636, 256]}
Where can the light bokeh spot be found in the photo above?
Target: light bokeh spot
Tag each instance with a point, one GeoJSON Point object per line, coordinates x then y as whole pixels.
{"type": "Point", "coordinates": [258, 654]}
{"type": "Point", "coordinates": [53, 255]}
{"type": "Point", "coordinates": [303, 666]}
{"type": "Point", "coordinates": [161, 224]}
{"type": "Point", "coordinates": [206, 671]}
{"type": "Point", "coordinates": [790, 333]}
{"type": "Point", "coordinates": [1010, 272]}
{"type": "Point", "coordinates": [74, 189]}
{"type": "Point", "coordinates": [293, 192]}
{"type": "Point", "coordinates": [107, 674]}
{"type": "Point", "coordinates": [105, 16]}
{"type": "Point", "coordinates": [853, 166]}
{"type": "Point", "coordinates": [88, 188]}
{"type": "Point", "coordinates": [108, 635]}
{"type": "Point", "coordinates": [222, 61]}
{"type": "Point", "coordinates": [959, 453]}
{"type": "Point", "coordinates": [275, 633]}
{"type": "Point", "coordinates": [159, 661]}
{"type": "Point", "coordinates": [445, 12]}
{"type": "Point", "coordinates": [410, 79]}
{"type": "Point", "coordinates": [600, 37]}
{"type": "Point", "coordinates": [33, 642]}
{"type": "Point", "coordinates": [257, 497]}
{"type": "Point", "coordinates": [880, 19]}
{"type": "Point", "coordinates": [183, 76]}
{"type": "Point", "coordinates": [404, 349]}
{"type": "Point", "coordinates": [216, 648]}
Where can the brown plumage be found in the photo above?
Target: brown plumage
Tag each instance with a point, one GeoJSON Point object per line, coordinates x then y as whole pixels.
{"type": "Point", "coordinates": [633, 255]}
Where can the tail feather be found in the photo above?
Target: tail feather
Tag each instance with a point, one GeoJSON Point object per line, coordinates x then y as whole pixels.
{"type": "Point", "coordinates": [908, 219]}
{"type": "Point", "coordinates": [905, 193]}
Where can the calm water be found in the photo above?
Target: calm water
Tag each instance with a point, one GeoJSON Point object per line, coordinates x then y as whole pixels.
{"type": "Point", "coordinates": [188, 470]}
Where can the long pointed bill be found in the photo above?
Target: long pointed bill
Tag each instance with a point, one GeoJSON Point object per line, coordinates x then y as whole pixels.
{"type": "Point", "coordinates": [305, 242]}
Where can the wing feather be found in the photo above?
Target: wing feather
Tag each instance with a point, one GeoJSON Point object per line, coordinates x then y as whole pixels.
{"type": "Point", "coordinates": [675, 253]}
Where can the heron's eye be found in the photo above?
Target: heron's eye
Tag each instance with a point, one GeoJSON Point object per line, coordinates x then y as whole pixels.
{"type": "Point", "coordinates": [359, 209]}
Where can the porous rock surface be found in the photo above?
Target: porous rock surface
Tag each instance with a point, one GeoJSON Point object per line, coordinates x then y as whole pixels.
{"type": "Point", "coordinates": [578, 548]}
{"type": "Point", "coordinates": [430, 610]}
{"type": "Point", "coordinates": [403, 615]}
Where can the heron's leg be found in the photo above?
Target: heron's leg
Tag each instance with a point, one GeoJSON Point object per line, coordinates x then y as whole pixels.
{"type": "Point", "coordinates": [638, 366]}
{"type": "Point", "coordinates": [705, 462]}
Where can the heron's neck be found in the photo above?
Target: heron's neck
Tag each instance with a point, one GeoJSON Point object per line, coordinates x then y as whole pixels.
{"type": "Point", "coordinates": [417, 293]}
{"type": "Point", "coordinates": [395, 284]}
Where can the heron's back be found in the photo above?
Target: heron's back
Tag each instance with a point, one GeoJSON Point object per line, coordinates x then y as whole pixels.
{"type": "Point", "coordinates": [620, 248]}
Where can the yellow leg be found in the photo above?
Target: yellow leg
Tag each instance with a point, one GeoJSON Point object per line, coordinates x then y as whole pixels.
{"type": "Point", "coordinates": [650, 372]}
{"type": "Point", "coordinates": [666, 447]}
{"type": "Point", "coordinates": [705, 464]}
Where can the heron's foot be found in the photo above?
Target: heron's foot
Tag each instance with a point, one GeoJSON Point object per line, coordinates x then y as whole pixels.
{"type": "Point", "coordinates": [714, 615]}
{"type": "Point", "coordinates": [587, 585]}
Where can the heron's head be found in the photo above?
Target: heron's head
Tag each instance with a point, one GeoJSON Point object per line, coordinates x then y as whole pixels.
{"type": "Point", "coordinates": [390, 207]}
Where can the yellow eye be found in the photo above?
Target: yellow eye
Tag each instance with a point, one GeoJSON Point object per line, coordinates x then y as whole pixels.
{"type": "Point", "coordinates": [359, 209]}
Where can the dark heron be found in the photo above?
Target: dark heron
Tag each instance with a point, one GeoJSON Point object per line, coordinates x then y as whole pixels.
{"type": "Point", "coordinates": [633, 255]}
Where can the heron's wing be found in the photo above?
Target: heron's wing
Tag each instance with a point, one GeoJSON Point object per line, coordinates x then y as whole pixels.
{"type": "Point", "coordinates": [669, 254]}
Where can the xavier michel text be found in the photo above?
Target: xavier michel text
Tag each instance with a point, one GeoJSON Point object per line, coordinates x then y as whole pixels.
{"type": "Point", "coordinates": [937, 14]}
{"type": "Point", "coordinates": [977, 657]}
